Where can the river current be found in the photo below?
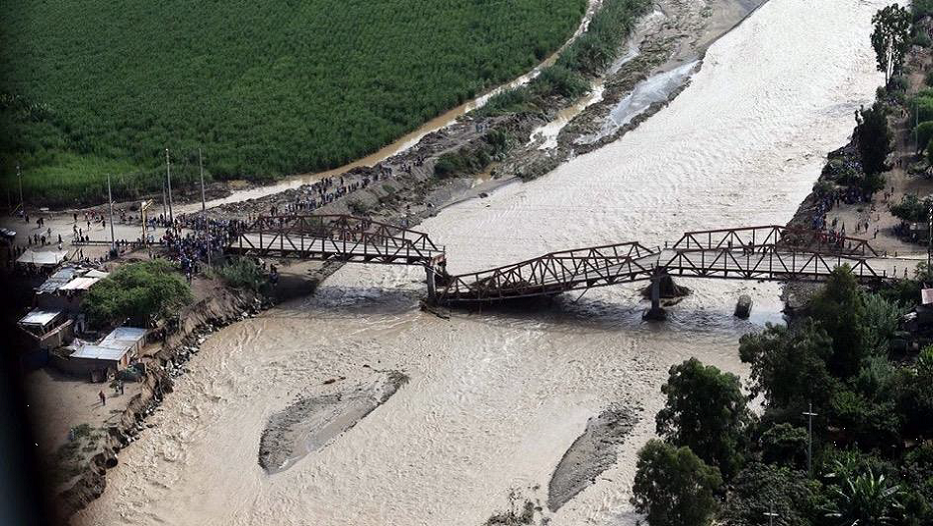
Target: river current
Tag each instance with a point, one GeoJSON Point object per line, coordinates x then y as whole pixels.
{"type": "Point", "coordinates": [494, 399]}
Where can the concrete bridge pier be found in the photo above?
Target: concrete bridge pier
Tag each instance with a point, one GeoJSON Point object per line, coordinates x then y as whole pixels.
{"type": "Point", "coordinates": [656, 312]}
{"type": "Point", "coordinates": [432, 283]}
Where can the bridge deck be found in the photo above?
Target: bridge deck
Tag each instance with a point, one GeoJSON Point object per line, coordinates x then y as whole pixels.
{"type": "Point", "coordinates": [772, 253]}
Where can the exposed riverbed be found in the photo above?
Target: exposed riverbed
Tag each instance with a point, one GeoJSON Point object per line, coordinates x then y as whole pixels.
{"type": "Point", "coordinates": [494, 400]}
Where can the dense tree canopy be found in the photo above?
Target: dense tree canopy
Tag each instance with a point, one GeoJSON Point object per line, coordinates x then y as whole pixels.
{"type": "Point", "coordinates": [789, 365]}
{"type": "Point", "coordinates": [706, 411]}
{"type": "Point", "coordinates": [674, 487]}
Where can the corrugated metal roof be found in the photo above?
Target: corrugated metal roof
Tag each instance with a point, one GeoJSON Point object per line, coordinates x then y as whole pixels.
{"type": "Point", "coordinates": [79, 284]}
{"type": "Point", "coordinates": [124, 336]}
{"type": "Point", "coordinates": [39, 317]}
{"type": "Point", "coordinates": [96, 352]}
{"type": "Point", "coordinates": [57, 280]}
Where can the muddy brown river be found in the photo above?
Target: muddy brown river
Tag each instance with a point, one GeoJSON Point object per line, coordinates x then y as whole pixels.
{"type": "Point", "coordinates": [495, 399]}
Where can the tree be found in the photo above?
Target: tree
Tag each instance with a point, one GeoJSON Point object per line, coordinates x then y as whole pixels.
{"type": "Point", "coordinates": [785, 444]}
{"type": "Point", "coordinates": [139, 291]}
{"type": "Point", "coordinates": [706, 411]}
{"type": "Point", "coordinates": [880, 320]}
{"type": "Point", "coordinates": [839, 308]}
{"type": "Point", "coordinates": [789, 365]}
{"type": "Point", "coordinates": [891, 39]}
{"type": "Point", "coordinates": [873, 138]}
{"type": "Point", "coordinates": [673, 487]}
{"type": "Point", "coordinates": [923, 133]}
{"type": "Point", "coordinates": [761, 488]}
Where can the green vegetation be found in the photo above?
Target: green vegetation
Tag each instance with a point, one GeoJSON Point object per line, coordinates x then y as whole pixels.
{"type": "Point", "coordinates": [912, 208]}
{"type": "Point", "coordinates": [70, 459]}
{"type": "Point", "coordinates": [673, 487]}
{"type": "Point", "coordinates": [706, 411]}
{"type": "Point", "coordinates": [140, 292]}
{"type": "Point", "coordinates": [242, 273]}
{"type": "Point", "coordinates": [266, 88]}
{"type": "Point", "coordinates": [587, 56]}
{"type": "Point", "coordinates": [872, 442]}
{"type": "Point", "coordinates": [472, 161]}
{"type": "Point", "coordinates": [891, 39]}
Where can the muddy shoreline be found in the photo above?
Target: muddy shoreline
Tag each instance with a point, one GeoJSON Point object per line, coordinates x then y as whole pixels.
{"type": "Point", "coordinates": [195, 323]}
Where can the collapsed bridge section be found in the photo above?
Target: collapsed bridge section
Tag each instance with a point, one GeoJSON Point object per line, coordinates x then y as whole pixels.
{"type": "Point", "coordinates": [772, 253]}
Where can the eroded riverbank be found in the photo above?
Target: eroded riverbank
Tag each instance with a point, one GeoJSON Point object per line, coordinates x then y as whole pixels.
{"type": "Point", "coordinates": [496, 399]}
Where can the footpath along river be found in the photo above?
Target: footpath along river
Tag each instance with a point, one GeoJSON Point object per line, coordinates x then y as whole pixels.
{"type": "Point", "coordinates": [494, 400]}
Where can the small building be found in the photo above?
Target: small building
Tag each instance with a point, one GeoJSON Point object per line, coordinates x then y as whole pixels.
{"type": "Point", "coordinates": [114, 353]}
{"type": "Point", "coordinates": [47, 328]}
{"type": "Point", "coordinates": [65, 289]}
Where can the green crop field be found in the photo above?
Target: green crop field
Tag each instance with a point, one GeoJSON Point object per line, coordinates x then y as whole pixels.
{"type": "Point", "coordinates": [265, 88]}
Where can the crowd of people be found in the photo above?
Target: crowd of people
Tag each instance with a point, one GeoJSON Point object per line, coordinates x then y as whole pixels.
{"type": "Point", "coordinates": [206, 237]}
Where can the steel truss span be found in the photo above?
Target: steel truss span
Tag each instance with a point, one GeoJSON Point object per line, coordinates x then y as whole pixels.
{"type": "Point", "coordinates": [773, 253]}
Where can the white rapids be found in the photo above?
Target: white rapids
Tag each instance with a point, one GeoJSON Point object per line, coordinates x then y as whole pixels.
{"type": "Point", "coordinates": [495, 399]}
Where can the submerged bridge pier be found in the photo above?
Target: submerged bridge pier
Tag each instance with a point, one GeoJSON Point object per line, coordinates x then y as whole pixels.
{"type": "Point", "coordinates": [656, 312]}
{"type": "Point", "coordinates": [769, 253]}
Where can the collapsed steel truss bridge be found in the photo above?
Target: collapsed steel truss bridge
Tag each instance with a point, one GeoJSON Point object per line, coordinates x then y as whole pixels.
{"type": "Point", "coordinates": [772, 253]}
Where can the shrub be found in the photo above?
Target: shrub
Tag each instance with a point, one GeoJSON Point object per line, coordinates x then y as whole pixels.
{"type": "Point", "coordinates": [921, 8]}
{"type": "Point", "coordinates": [786, 445]}
{"type": "Point", "coordinates": [242, 273]}
{"type": "Point", "coordinates": [920, 39]}
{"type": "Point", "coordinates": [673, 487]}
{"type": "Point", "coordinates": [912, 209]}
{"type": "Point", "coordinates": [923, 133]}
{"type": "Point", "coordinates": [560, 81]}
{"type": "Point", "coordinates": [759, 489]}
{"type": "Point", "coordinates": [868, 423]}
{"type": "Point", "coordinates": [140, 291]}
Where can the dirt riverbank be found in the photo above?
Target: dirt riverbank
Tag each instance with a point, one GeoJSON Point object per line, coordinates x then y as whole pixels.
{"type": "Point", "coordinates": [876, 213]}
{"type": "Point", "coordinates": [161, 367]}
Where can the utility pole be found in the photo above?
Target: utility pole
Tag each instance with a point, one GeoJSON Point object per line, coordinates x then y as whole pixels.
{"type": "Point", "coordinates": [207, 230]}
{"type": "Point", "coordinates": [770, 514]}
{"type": "Point", "coordinates": [22, 204]}
{"type": "Point", "coordinates": [113, 239]}
{"type": "Point", "coordinates": [930, 237]}
{"type": "Point", "coordinates": [142, 210]}
{"type": "Point", "coordinates": [168, 179]}
{"type": "Point", "coordinates": [810, 414]}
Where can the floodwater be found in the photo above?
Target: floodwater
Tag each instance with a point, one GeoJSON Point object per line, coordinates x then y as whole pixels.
{"type": "Point", "coordinates": [495, 398]}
